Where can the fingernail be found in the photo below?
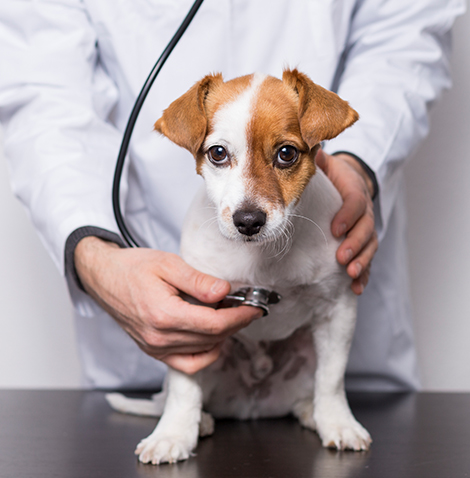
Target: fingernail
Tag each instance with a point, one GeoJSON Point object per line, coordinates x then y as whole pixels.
{"type": "Point", "coordinates": [218, 287]}
{"type": "Point", "coordinates": [358, 269]}
{"type": "Point", "coordinates": [341, 229]}
{"type": "Point", "coordinates": [348, 255]}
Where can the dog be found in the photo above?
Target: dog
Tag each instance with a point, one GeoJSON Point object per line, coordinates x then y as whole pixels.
{"type": "Point", "coordinates": [262, 219]}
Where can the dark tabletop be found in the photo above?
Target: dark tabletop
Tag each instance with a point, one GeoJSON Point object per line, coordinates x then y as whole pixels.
{"type": "Point", "coordinates": [74, 434]}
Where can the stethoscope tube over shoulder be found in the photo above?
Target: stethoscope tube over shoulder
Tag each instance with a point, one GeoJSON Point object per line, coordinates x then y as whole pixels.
{"type": "Point", "coordinates": [133, 118]}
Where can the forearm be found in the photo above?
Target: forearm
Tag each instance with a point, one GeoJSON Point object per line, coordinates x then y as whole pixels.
{"type": "Point", "coordinates": [59, 147]}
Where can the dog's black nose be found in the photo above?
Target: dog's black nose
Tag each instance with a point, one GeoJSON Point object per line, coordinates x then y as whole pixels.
{"type": "Point", "coordinates": [249, 222]}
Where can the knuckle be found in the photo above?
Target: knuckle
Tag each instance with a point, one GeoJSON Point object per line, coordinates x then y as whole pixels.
{"type": "Point", "coordinates": [375, 243]}
{"type": "Point", "coordinates": [362, 202]}
{"type": "Point", "coordinates": [370, 221]}
{"type": "Point", "coordinates": [169, 261]}
{"type": "Point", "coordinates": [200, 282]}
{"type": "Point", "coordinates": [359, 199]}
{"type": "Point", "coordinates": [160, 321]}
{"type": "Point", "coordinates": [215, 328]}
{"type": "Point", "coordinates": [356, 244]}
{"type": "Point", "coordinates": [155, 341]}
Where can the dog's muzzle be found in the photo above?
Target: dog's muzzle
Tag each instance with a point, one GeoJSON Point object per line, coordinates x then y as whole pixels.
{"type": "Point", "coordinates": [254, 296]}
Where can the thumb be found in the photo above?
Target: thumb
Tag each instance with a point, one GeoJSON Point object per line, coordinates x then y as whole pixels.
{"type": "Point", "coordinates": [320, 160]}
{"type": "Point", "coordinates": [203, 287]}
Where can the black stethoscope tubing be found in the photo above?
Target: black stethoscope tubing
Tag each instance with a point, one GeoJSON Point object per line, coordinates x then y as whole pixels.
{"type": "Point", "coordinates": [133, 118]}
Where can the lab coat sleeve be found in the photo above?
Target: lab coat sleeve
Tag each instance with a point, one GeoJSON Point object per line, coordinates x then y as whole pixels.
{"type": "Point", "coordinates": [395, 66]}
{"type": "Point", "coordinates": [55, 98]}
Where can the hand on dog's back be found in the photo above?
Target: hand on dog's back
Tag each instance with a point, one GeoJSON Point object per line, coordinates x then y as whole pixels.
{"type": "Point", "coordinates": [140, 289]}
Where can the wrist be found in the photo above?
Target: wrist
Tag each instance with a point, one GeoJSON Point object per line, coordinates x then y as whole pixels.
{"type": "Point", "coordinates": [88, 254]}
{"type": "Point", "coordinates": [75, 238]}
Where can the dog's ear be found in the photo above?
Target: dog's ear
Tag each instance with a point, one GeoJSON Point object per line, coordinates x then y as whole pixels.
{"type": "Point", "coordinates": [322, 114]}
{"type": "Point", "coordinates": [185, 121]}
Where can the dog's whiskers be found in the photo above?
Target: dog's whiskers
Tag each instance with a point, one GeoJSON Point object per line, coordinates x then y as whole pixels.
{"type": "Point", "coordinates": [287, 232]}
{"type": "Point", "coordinates": [313, 222]}
{"type": "Point", "coordinates": [279, 242]}
{"type": "Point", "coordinates": [207, 223]}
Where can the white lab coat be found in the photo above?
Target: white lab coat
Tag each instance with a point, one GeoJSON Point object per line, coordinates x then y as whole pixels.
{"type": "Point", "coordinates": [70, 72]}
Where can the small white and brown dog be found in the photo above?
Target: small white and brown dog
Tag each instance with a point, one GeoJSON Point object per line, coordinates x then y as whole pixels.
{"type": "Point", "coordinates": [262, 219]}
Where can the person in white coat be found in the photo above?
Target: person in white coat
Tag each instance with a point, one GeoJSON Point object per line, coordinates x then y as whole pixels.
{"type": "Point", "coordinates": [71, 70]}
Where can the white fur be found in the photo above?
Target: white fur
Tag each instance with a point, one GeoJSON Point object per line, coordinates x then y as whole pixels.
{"type": "Point", "coordinates": [230, 187]}
{"type": "Point", "coordinates": [299, 264]}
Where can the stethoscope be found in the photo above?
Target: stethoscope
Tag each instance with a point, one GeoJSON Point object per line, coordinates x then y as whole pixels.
{"type": "Point", "coordinates": [254, 296]}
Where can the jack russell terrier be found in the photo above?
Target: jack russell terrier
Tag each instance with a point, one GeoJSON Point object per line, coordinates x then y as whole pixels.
{"type": "Point", "coordinates": [262, 220]}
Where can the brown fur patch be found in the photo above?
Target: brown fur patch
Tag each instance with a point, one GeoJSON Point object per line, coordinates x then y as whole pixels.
{"type": "Point", "coordinates": [322, 113]}
{"type": "Point", "coordinates": [296, 112]}
{"type": "Point", "coordinates": [185, 121]}
{"type": "Point", "coordinates": [225, 93]}
{"type": "Point", "coordinates": [274, 124]}
{"type": "Point", "coordinates": [218, 97]}
{"type": "Point", "coordinates": [293, 111]}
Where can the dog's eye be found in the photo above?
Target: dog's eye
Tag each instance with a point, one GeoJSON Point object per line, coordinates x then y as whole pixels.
{"type": "Point", "coordinates": [217, 154]}
{"type": "Point", "coordinates": [286, 156]}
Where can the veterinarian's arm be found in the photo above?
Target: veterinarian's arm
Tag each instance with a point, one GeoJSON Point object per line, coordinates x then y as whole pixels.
{"type": "Point", "coordinates": [396, 64]}
{"type": "Point", "coordinates": [54, 98]}
{"type": "Point", "coordinates": [355, 219]}
{"type": "Point", "coordinates": [139, 288]}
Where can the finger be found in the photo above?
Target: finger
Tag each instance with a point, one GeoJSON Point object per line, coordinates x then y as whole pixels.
{"type": "Point", "coordinates": [358, 285]}
{"type": "Point", "coordinates": [189, 349]}
{"type": "Point", "coordinates": [357, 239]}
{"type": "Point", "coordinates": [185, 278]}
{"type": "Point", "coordinates": [161, 343]}
{"type": "Point", "coordinates": [362, 261]}
{"type": "Point", "coordinates": [181, 315]}
{"type": "Point", "coordinates": [321, 161]}
{"type": "Point", "coordinates": [353, 208]}
{"type": "Point", "coordinates": [192, 363]}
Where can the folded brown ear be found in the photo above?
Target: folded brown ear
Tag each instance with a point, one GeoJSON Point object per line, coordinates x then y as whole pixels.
{"type": "Point", "coordinates": [185, 122]}
{"type": "Point", "coordinates": [322, 113]}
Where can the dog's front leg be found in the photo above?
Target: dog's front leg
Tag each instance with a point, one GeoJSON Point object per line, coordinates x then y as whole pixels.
{"type": "Point", "coordinates": [332, 416]}
{"type": "Point", "coordinates": [176, 434]}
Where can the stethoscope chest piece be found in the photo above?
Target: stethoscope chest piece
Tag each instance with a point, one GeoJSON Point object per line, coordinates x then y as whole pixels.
{"type": "Point", "coordinates": [254, 296]}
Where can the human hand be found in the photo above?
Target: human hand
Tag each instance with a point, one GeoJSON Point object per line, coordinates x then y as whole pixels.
{"type": "Point", "coordinates": [355, 219]}
{"type": "Point", "coordinates": [140, 289]}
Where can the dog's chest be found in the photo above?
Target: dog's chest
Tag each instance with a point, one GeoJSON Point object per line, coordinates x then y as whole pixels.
{"type": "Point", "coordinates": [307, 281]}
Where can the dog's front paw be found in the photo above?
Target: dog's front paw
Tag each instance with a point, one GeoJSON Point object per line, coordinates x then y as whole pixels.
{"type": "Point", "coordinates": [343, 433]}
{"type": "Point", "coordinates": [158, 449]}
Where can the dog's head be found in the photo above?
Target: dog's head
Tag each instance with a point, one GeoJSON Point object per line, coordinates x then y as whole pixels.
{"type": "Point", "coordinates": [254, 139]}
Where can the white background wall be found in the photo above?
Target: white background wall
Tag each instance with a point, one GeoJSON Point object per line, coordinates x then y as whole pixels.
{"type": "Point", "coordinates": [438, 188]}
{"type": "Point", "coordinates": [36, 330]}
